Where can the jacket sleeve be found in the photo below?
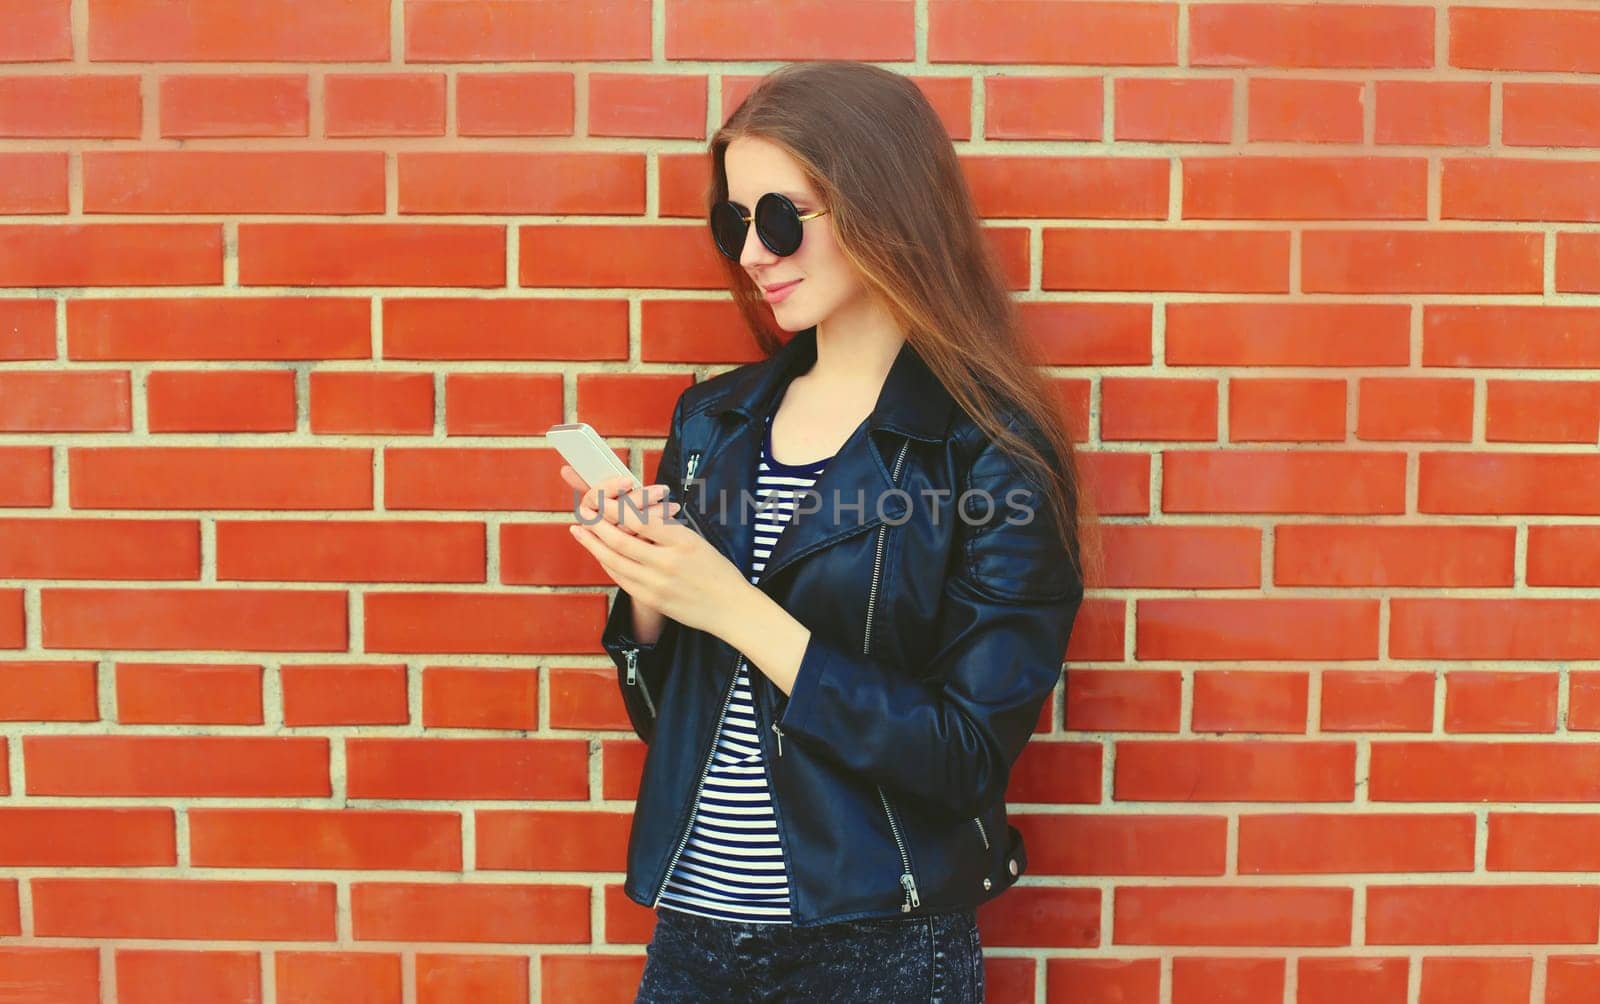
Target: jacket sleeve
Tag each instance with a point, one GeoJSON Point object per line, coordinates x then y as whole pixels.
{"type": "Point", "coordinates": [642, 666]}
{"type": "Point", "coordinates": [949, 739]}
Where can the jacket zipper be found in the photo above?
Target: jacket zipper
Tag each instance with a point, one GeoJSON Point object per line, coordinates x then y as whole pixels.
{"type": "Point", "coordinates": [705, 772]}
{"type": "Point", "coordinates": [907, 880]}
{"type": "Point", "coordinates": [632, 654]}
{"type": "Point", "coordinates": [981, 832]}
{"type": "Point", "coordinates": [692, 462]}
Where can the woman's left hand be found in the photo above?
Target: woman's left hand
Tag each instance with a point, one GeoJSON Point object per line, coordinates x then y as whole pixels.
{"type": "Point", "coordinates": [668, 566]}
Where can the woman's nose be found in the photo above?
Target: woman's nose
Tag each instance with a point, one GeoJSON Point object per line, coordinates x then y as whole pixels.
{"type": "Point", "coordinates": [754, 252]}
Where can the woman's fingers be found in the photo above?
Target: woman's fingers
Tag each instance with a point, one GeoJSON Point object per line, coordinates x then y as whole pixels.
{"type": "Point", "coordinates": [624, 543]}
{"type": "Point", "coordinates": [627, 508]}
{"type": "Point", "coordinates": [585, 493]}
{"type": "Point", "coordinates": [606, 491]}
{"type": "Point", "coordinates": [571, 477]}
{"type": "Point", "coordinates": [615, 496]}
{"type": "Point", "coordinates": [657, 522]}
{"type": "Point", "coordinates": [618, 498]}
{"type": "Point", "coordinates": [623, 570]}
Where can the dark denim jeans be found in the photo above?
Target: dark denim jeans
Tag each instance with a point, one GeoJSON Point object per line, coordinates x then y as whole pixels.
{"type": "Point", "coordinates": [927, 959]}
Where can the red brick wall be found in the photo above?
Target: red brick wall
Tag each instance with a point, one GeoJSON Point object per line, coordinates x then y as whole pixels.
{"type": "Point", "coordinates": [300, 691]}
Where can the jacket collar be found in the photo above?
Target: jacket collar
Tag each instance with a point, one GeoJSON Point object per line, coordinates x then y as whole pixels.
{"type": "Point", "coordinates": [912, 402]}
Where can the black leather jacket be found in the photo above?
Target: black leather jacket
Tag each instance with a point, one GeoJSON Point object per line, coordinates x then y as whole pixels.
{"type": "Point", "coordinates": [936, 637]}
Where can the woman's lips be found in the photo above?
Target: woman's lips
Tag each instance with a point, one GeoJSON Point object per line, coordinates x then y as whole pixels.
{"type": "Point", "coordinates": [778, 294]}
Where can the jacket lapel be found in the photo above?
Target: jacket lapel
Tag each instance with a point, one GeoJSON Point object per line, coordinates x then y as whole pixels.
{"type": "Point", "coordinates": [846, 497]}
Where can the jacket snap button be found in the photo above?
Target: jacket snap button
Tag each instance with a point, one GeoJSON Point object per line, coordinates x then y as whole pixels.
{"type": "Point", "coordinates": [1012, 864]}
{"type": "Point", "coordinates": [986, 883]}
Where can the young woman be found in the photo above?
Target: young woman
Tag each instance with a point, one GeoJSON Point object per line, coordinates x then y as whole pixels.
{"type": "Point", "coordinates": [846, 596]}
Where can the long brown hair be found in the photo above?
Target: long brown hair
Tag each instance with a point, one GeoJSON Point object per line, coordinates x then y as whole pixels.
{"type": "Point", "coordinates": [883, 165]}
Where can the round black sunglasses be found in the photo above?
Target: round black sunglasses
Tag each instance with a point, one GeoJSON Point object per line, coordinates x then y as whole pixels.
{"type": "Point", "coordinates": [777, 224]}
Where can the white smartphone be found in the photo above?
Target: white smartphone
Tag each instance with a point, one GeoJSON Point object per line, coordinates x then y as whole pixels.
{"type": "Point", "coordinates": [588, 454]}
{"type": "Point", "coordinates": [595, 461]}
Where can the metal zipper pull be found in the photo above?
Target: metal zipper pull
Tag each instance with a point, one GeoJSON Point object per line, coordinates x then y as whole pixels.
{"type": "Point", "coordinates": [632, 655]}
{"type": "Point", "coordinates": [780, 737]}
{"type": "Point", "coordinates": [688, 469]}
{"type": "Point", "coordinates": [911, 893]}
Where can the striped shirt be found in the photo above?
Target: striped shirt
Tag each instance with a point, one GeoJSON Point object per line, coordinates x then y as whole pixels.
{"type": "Point", "coordinates": [732, 867]}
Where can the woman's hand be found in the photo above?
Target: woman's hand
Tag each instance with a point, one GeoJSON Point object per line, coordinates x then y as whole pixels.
{"type": "Point", "coordinates": [657, 560]}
